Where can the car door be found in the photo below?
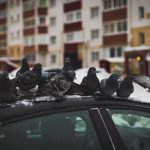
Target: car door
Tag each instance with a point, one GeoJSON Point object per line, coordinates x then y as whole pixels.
{"type": "Point", "coordinates": [69, 130]}
{"type": "Point", "coordinates": [131, 122]}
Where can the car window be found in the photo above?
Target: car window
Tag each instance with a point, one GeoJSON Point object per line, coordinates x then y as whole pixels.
{"type": "Point", "coordinates": [134, 128]}
{"type": "Point", "coordinates": [61, 131]}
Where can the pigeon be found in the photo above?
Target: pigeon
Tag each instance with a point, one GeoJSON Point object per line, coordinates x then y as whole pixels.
{"type": "Point", "coordinates": [126, 87]}
{"type": "Point", "coordinates": [142, 80]}
{"type": "Point", "coordinates": [24, 67]}
{"type": "Point", "coordinates": [60, 83]}
{"type": "Point", "coordinates": [7, 89]}
{"type": "Point", "coordinates": [90, 83]}
{"type": "Point", "coordinates": [30, 79]}
{"type": "Point", "coordinates": [109, 85]}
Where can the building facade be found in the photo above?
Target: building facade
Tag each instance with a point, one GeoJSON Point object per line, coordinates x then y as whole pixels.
{"type": "Point", "coordinates": [90, 32]}
{"type": "Point", "coordinates": [137, 55]}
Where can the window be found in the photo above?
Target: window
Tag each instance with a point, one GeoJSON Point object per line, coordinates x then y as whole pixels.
{"type": "Point", "coordinates": [94, 34]}
{"type": "Point", "coordinates": [94, 12]}
{"type": "Point", "coordinates": [42, 3]}
{"type": "Point", "coordinates": [53, 59]}
{"type": "Point", "coordinates": [107, 4]}
{"type": "Point", "coordinates": [78, 15]}
{"type": "Point", "coordinates": [18, 34]}
{"type": "Point", "coordinates": [141, 38]}
{"type": "Point", "coordinates": [119, 52]}
{"type": "Point", "coordinates": [52, 21]}
{"type": "Point", "coordinates": [29, 40]}
{"type": "Point", "coordinates": [29, 22]}
{"type": "Point", "coordinates": [122, 26]}
{"type": "Point", "coordinates": [70, 37]}
{"type": "Point", "coordinates": [53, 40]}
{"type": "Point", "coordinates": [95, 56]}
{"type": "Point", "coordinates": [3, 28]}
{"type": "Point", "coordinates": [2, 43]}
{"type": "Point", "coordinates": [18, 17]}
{"type": "Point", "coordinates": [52, 3]}
{"type": "Point", "coordinates": [58, 131]}
{"type": "Point", "coordinates": [134, 127]}
{"type": "Point", "coordinates": [112, 4]}
{"type": "Point", "coordinates": [69, 17]}
{"type": "Point", "coordinates": [112, 52]}
{"type": "Point", "coordinates": [42, 20]}
{"type": "Point", "coordinates": [28, 5]}
{"type": "Point", "coordinates": [141, 12]}
{"type": "Point", "coordinates": [2, 13]}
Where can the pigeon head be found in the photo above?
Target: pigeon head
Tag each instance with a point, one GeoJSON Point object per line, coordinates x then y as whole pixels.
{"type": "Point", "coordinates": [37, 66]}
{"type": "Point", "coordinates": [128, 79]}
{"type": "Point", "coordinates": [67, 64]}
{"type": "Point", "coordinates": [24, 60]}
{"type": "Point", "coordinates": [92, 71]}
{"type": "Point", "coordinates": [114, 77]}
{"type": "Point", "coordinates": [25, 64]}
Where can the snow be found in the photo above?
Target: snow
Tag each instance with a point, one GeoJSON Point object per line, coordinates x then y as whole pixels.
{"type": "Point", "coordinates": [138, 48]}
{"type": "Point", "coordinates": [116, 59]}
{"type": "Point", "coordinates": [140, 94]}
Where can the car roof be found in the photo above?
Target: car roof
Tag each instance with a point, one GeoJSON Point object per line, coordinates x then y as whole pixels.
{"type": "Point", "coordinates": [47, 104]}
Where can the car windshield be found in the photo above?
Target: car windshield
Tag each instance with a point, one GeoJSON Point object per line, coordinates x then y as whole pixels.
{"type": "Point", "coordinates": [69, 130]}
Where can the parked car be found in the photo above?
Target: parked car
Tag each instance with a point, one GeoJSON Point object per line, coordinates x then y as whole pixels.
{"type": "Point", "coordinates": [75, 123]}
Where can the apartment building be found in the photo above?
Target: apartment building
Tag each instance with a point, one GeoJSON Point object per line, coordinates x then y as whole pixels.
{"type": "Point", "coordinates": [3, 31]}
{"type": "Point", "coordinates": [90, 32]}
{"type": "Point", "coordinates": [137, 55]}
{"type": "Point", "coordinates": [115, 33]}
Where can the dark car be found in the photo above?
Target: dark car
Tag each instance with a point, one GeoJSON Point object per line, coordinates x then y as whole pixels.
{"type": "Point", "coordinates": [75, 123]}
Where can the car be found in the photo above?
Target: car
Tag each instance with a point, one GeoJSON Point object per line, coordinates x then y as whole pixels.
{"type": "Point", "coordinates": [75, 123]}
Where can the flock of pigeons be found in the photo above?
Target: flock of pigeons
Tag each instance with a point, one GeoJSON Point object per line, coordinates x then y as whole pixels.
{"type": "Point", "coordinates": [60, 84]}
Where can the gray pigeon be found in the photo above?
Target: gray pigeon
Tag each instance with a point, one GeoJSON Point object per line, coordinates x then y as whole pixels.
{"type": "Point", "coordinates": [60, 83]}
{"type": "Point", "coordinates": [7, 90]}
{"type": "Point", "coordinates": [30, 79]}
{"type": "Point", "coordinates": [24, 67]}
{"type": "Point", "coordinates": [126, 87]}
{"type": "Point", "coordinates": [109, 85]}
{"type": "Point", "coordinates": [90, 83]}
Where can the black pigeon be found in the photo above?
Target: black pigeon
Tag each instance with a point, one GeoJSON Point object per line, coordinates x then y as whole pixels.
{"type": "Point", "coordinates": [30, 79]}
{"type": "Point", "coordinates": [60, 83]}
{"type": "Point", "coordinates": [24, 67]}
{"type": "Point", "coordinates": [7, 90]}
{"type": "Point", "coordinates": [126, 87]}
{"type": "Point", "coordinates": [142, 80]}
{"type": "Point", "coordinates": [109, 85]}
{"type": "Point", "coordinates": [90, 83]}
